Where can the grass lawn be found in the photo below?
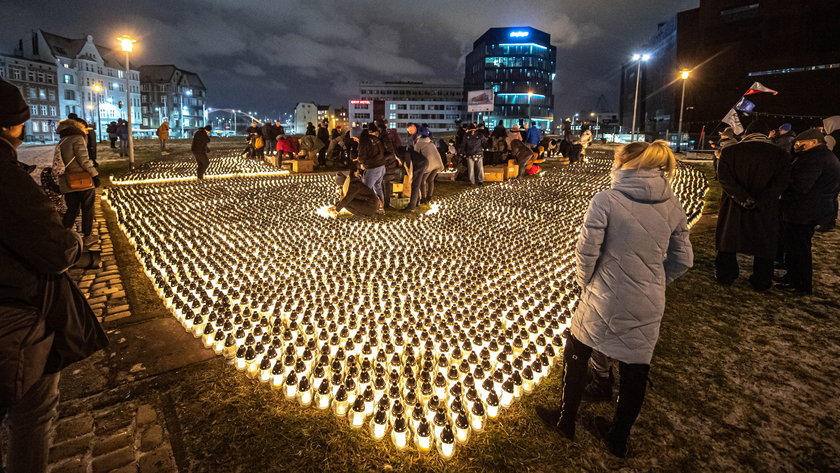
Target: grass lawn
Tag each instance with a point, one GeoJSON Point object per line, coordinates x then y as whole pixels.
{"type": "Point", "coordinates": [741, 382]}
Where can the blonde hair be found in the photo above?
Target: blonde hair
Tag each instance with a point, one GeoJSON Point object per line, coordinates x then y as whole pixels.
{"type": "Point", "coordinates": [641, 155]}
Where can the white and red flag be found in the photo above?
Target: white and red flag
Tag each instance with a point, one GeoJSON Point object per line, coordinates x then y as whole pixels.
{"type": "Point", "coordinates": [757, 88]}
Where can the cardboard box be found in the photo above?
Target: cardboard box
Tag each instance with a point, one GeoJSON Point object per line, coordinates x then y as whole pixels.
{"type": "Point", "coordinates": [273, 161]}
{"type": "Point", "coordinates": [406, 186]}
{"type": "Point", "coordinates": [494, 174]}
{"type": "Point", "coordinates": [300, 165]}
{"type": "Point", "coordinates": [446, 176]}
{"type": "Point", "coordinates": [511, 170]}
{"type": "Point", "coordinates": [398, 187]}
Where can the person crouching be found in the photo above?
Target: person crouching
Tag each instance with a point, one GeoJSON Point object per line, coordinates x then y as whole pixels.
{"type": "Point", "coordinates": [354, 196]}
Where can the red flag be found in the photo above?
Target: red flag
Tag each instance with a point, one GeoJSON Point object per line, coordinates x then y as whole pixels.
{"type": "Point", "coordinates": [702, 137]}
{"type": "Point", "coordinates": [757, 88]}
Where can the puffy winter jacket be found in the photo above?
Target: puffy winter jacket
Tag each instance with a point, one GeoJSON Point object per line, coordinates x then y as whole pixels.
{"type": "Point", "coordinates": [425, 147]}
{"type": "Point", "coordinates": [634, 241]}
{"type": "Point", "coordinates": [74, 147]}
{"type": "Point", "coordinates": [473, 144]}
{"type": "Point", "coordinates": [534, 136]}
{"type": "Point", "coordinates": [371, 151]}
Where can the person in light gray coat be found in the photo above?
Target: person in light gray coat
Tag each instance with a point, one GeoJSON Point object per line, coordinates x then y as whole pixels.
{"type": "Point", "coordinates": [634, 241]}
{"type": "Point", "coordinates": [428, 149]}
{"type": "Point", "coordinates": [74, 153]}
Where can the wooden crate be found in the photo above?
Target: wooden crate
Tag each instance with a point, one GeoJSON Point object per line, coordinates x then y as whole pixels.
{"type": "Point", "coordinates": [273, 161]}
{"type": "Point", "coordinates": [494, 173]}
{"type": "Point", "coordinates": [398, 187]}
{"type": "Point", "coordinates": [300, 165]}
{"type": "Point", "coordinates": [446, 176]}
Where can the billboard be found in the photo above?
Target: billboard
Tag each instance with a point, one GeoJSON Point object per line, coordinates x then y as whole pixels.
{"type": "Point", "coordinates": [480, 101]}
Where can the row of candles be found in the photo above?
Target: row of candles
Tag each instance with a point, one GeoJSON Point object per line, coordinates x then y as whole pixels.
{"type": "Point", "coordinates": [419, 330]}
{"type": "Point", "coordinates": [184, 168]}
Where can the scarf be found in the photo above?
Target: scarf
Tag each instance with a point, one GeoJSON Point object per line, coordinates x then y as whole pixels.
{"type": "Point", "coordinates": [759, 137]}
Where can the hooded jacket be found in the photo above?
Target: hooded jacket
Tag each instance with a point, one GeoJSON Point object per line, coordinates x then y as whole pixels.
{"type": "Point", "coordinates": [832, 131]}
{"type": "Point", "coordinates": [633, 242]}
{"type": "Point", "coordinates": [371, 151]}
{"type": "Point", "coordinates": [511, 136]}
{"type": "Point", "coordinates": [814, 182]}
{"type": "Point", "coordinates": [200, 142]}
{"type": "Point", "coordinates": [74, 149]}
{"type": "Point", "coordinates": [520, 152]}
{"type": "Point", "coordinates": [533, 136]}
{"type": "Point", "coordinates": [163, 131]}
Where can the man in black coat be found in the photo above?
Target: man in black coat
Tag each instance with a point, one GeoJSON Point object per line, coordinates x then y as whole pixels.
{"type": "Point", "coordinates": [45, 322]}
{"type": "Point", "coordinates": [753, 174]}
{"type": "Point", "coordinates": [355, 196]}
{"type": "Point", "coordinates": [807, 202]}
{"type": "Point", "coordinates": [324, 135]}
{"type": "Point", "coordinates": [270, 136]}
{"type": "Point", "coordinates": [200, 149]}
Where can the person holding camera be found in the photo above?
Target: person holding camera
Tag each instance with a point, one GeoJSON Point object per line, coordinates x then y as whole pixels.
{"type": "Point", "coordinates": [45, 322]}
{"type": "Point", "coordinates": [80, 178]}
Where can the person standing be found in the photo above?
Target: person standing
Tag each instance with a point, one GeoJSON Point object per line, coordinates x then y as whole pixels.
{"type": "Point", "coordinates": [371, 158]}
{"type": "Point", "coordinates": [122, 135]}
{"type": "Point", "coordinates": [111, 129]}
{"type": "Point", "coordinates": [39, 335]}
{"type": "Point", "coordinates": [163, 136]}
{"type": "Point", "coordinates": [392, 162]}
{"type": "Point", "coordinates": [256, 143]}
{"type": "Point", "coordinates": [784, 137]}
{"type": "Point", "coordinates": [269, 138]}
{"type": "Point", "coordinates": [323, 134]}
{"type": "Point", "coordinates": [310, 129]}
{"type": "Point", "coordinates": [472, 148]}
{"type": "Point", "coordinates": [634, 241]}
{"type": "Point", "coordinates": [810, 200]}
{"type": "Point", "coordinates": [74, 154]}
{"type": "Point", "coordinates": [533, 136]}
{"type": "Point", "coordinates": [410, 137]}
{"type": "Point", "coordinates": [434, 165]}
{"type": "Point", "coordinates": [201, 149]}
{"type": "Point", "coordinates": [753, 173]}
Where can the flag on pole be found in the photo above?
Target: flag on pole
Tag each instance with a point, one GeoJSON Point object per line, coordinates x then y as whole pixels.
{"type": "Point", "coordinates": [744, 106]}
{"type": "Point", "coordinates": [732, 120]}
{"type": "Point", "coordinates": [757, 88]}
{"type": "Point", "coordinates": [700, 143]}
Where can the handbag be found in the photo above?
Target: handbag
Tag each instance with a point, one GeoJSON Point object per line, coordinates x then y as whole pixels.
{"type": "Point", "coordinates": [75, 181]}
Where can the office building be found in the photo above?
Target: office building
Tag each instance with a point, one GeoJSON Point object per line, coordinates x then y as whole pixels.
{"type": "Point", "coordinates": [792, 47]}
{"type": "Point", "coordinates": [305, 112]}
{"type": "Point", "coordinates": [519, 65]}
{"type": "Point", "coordinates": [37, 82]}
{"type": "Point", "coordinates": [91, 78]}
{"type": "Point", "coordinates": [440, 106]}
{"type": "Point", "coordinates": [168, 92]}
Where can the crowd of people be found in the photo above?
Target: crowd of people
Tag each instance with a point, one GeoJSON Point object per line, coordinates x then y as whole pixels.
{"type": "Point", "coordinates": [779, 187]}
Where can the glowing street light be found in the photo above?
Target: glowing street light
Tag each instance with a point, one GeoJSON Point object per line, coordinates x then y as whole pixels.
{"type": "Point", "coordinates": [684, 76]}
{"type": "Point", "coordinates": [127, 45]}
{"type": "Point", "coordinates": [638, 58]}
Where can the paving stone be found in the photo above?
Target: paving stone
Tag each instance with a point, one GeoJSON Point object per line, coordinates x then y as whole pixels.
{"type": "Point", "coordinates": [121, 308]}
{"type": "Point", "coordinates": [152, 438]}
{"type": "Point", "coordinates": [97, 300]}
{"type": "Point", "coordinates": [74, 427]}
{"type": "Point", "coordinates": [75, 465]}
{"type": "Point", "coordinates": [112, 290]}
{"type": "Point", "coordinates": [118, 295]}
{"type": "Point", "coordinates": [157, 461]}
{"type": "Point", "coordinates": [117, 316]}
{"type": "Point", "coordinates": [113, 460]}
{"type": "Point", "coordinates": [70, 448]}
{"type": "Point", "coordinates": [130, 468]}
{"type": "Point", "coordinates": [146, 414]}
{"type": "Point", "coordinates": [97, 286]}
{"type": "Point", "coordinates": [115, 419]}
{"type": "Point", "coordinates": [103, 445]}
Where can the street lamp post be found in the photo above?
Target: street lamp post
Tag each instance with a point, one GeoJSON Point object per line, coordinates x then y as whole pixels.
{"type": "Point", "coordinates": [638, 58]}
{"type": "Point", "coordinates": [597, 126]}
{"type": "Point", "coordinates": [97, 89]}
{"type": "Point", "coordinates": [684, 76]}
{"type": "Point", "coordinates": [127, 44]}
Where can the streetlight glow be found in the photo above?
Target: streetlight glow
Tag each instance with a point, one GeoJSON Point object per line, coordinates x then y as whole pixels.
{"type": "Point", "coordinates": [684, 74]}
{"type": "Point", "coordinates": [636, 57]}
{"type": "Point", "coordinates": [645, 57]}
{"type": "Point", "coordinates": [126, 43]}
{"type": "Point", "coordinates": [97, 88]}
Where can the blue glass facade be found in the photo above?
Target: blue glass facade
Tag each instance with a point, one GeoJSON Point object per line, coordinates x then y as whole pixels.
{"type": "Point", "coordinates": [519, 65]}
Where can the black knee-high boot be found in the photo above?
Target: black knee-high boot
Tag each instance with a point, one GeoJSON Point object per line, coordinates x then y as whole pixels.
{"type": "Point", "coordinates": [575, 362]}
{"type": "Point", "coordinates": [631, 395]}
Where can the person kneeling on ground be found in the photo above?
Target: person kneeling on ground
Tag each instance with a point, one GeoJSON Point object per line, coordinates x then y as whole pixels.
{"type": "Point", "coordinates": [522, 154]}
{"type": "Point", "coordinates": [354, 196]}
{"type": "Point", "coordinates": [621, 306]}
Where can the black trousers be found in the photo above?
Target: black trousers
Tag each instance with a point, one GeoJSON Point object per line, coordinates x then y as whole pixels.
{"type": "Point", "coordinates": [631, 390]}
{"type": "Point", "coordinates": [388, 187]}
{"type": "Point", "coordinates": [727, 270]}
{"type": "Point", "coordinates": [80, 201]}
{"type": "Point", "coordinates": [322, 156]}
{"type": "Point", "coordinates": [203, 164]}
{"type": "Point", "coordinates": [797, 245]}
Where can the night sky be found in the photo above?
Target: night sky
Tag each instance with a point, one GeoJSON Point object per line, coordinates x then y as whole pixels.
{"type": "Point", "coordinates": [268, 55]}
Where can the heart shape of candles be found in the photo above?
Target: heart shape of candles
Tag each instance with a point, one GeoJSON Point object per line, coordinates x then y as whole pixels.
{"type": "Point", "coordinates": [419, 330]}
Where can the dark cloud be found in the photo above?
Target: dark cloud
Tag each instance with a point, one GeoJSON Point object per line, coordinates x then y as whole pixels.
{"type": "Point", "coordinates": [268, 55]}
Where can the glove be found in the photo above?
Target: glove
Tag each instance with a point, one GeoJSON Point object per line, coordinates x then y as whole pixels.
{"type": "Point", "coordinates": [96, 182]}
{"type": "Point", "coordinates": [748, 204]}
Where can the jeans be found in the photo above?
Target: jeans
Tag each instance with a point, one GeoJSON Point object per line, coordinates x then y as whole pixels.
{"type": "Point", "coordinates": [373, 179]}
{"type": "Point", "coordinates": [203, 164]}
{"type": "Point", "coordinates": [418, 188]}
{"type": "Point", "coordinates": [429, 188]}
{"type": "Point", "coordinates": [76, 201]}
{"type": "Point", "coordinates": [123, 148]}
{"type": "Point", "coordinates": [726, 270]}
{"type": "Point", "coordinates": [475, 168]}
{"type": "Point", "coordinates": [798, 257]}
{"type": "Point", "coordinates": [270, 147]}
{"type": "Point", "coordinates": [163, 144]}
{"type": "Point", "coordinates": [28, 423]}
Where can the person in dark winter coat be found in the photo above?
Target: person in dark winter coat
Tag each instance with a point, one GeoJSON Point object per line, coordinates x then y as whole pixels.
{"type": "Point", "coordinates": [522, 154]}
{"type": "Point", "coordinates": [45, 322]}
{"type": "Point", "coordinates": [472, 148]}
{"type": "Point", "coordinates": [355, 196]}
{"type": "Point", "coordinates": [634, 241]}
{"type": "Point", "coordinates": [810, 200]}
{"type": "Point", "coordinates": [434, 165]}
{"type": "Point", "coordinates": [269, 137]}
{"type": "Point", "coordinates": [392, 161]}
{"type": "Point", "coordinates": [111, 129]}
{"type": "Point", "coordinates": [310, 129]}
{"type": "Point", "coordinates": [73, 149]}
{"type": "Point", "coordinates": [256, 142]}
{"type": "Point", "coordinates": [122, 134]}
{"type": "Point", "coordinates": [324, 135]}
{"type": "Point", "coordinates": [371, 158]}
{"type": "Point", "coordinates": [91, 143]}
{"type": "Point", "coordinates": [753, 174]}
{"type": "Point", "coordinates": [201, 149]}
{"type": "Point", "coordinates": [784, 137]}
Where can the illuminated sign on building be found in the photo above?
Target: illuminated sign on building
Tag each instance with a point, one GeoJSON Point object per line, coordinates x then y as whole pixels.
{"type": "Point", "coordinates": [519, 34]}
{"type": "Point", "coordinates": [360, 102]}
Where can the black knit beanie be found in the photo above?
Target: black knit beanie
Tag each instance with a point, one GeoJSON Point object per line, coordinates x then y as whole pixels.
{"type": "Point", "coordinates": [13, 108]}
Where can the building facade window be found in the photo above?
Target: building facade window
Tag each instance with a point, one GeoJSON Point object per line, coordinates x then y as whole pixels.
{"type": "Point", "coordinates": [68, 79]}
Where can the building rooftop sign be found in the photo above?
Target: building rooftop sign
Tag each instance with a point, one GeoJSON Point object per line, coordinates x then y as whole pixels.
{"type": "Point", "coordinates": [519, 34]}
